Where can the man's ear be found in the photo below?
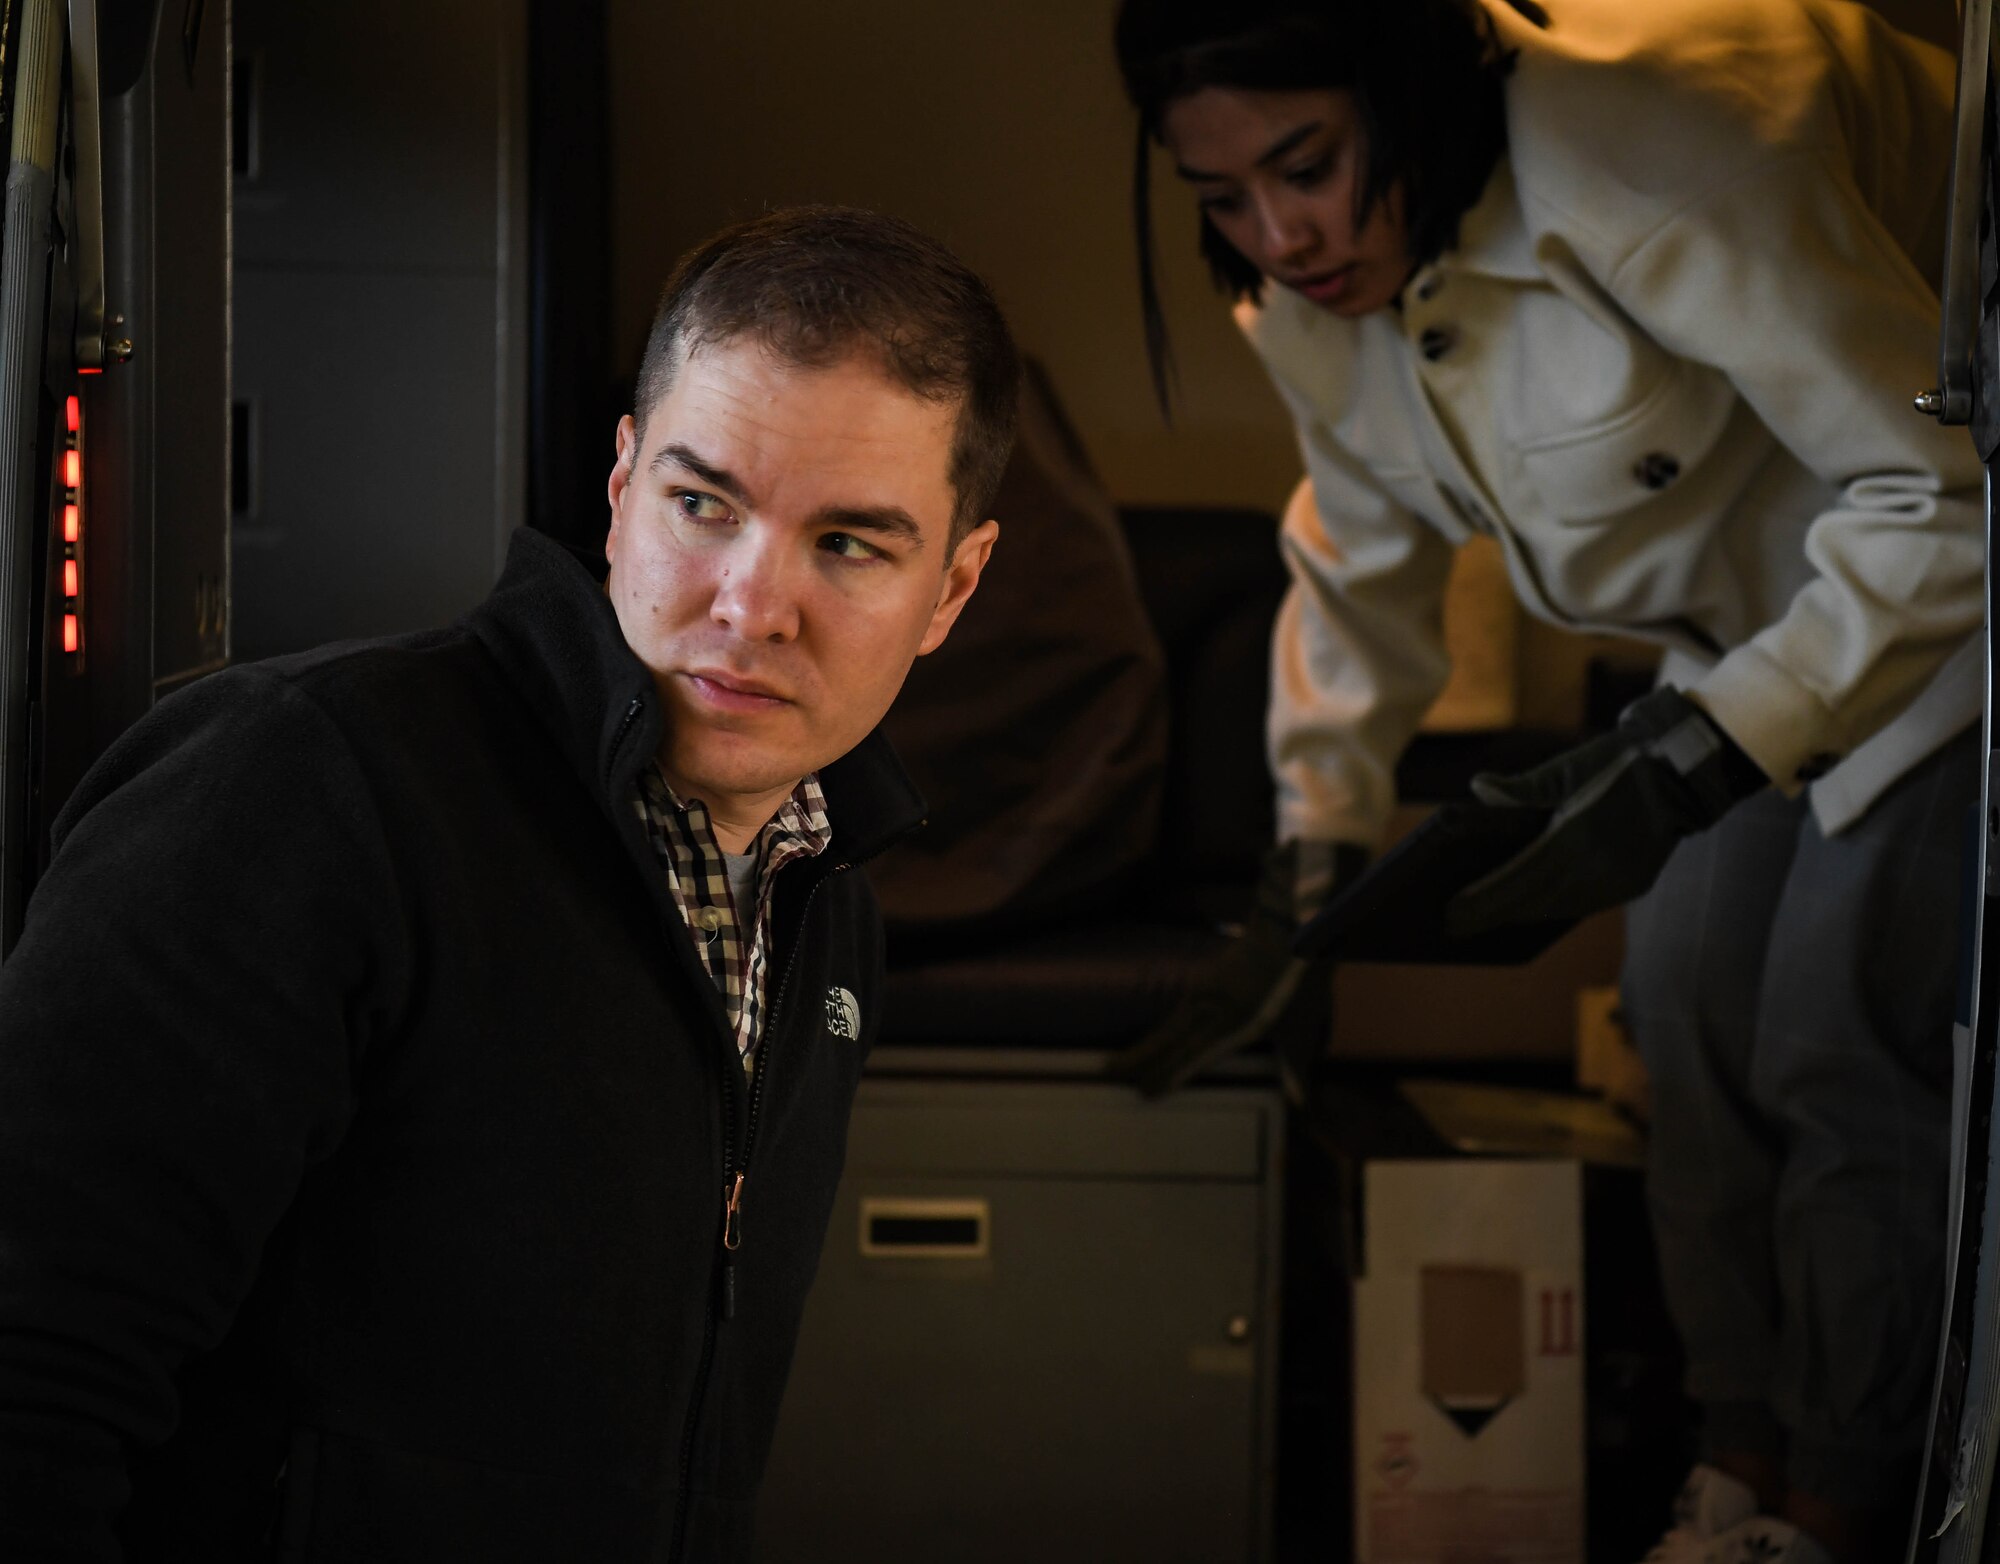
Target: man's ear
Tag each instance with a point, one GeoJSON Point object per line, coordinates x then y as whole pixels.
{"type": "Point", "coordinates": [621, 477]}
{"type": "Point", "coordinates": [961, 576]}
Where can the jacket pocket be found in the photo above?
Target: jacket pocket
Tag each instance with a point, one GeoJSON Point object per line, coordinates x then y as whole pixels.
{"type": "Point", "coordinates": [1638, 455]}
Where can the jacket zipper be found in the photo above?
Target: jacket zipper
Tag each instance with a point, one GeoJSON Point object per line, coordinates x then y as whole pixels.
{"type": "Point", "coordinates": [736, 1170]}
{"type": "Point", "coordinates": [732, 1076]}
{"type": "Point", "coordinates": [734, 1176]}
{"type": "Point", "coordinates": [699, 1392]}
{"type": "Point", "coordinates": [632, 710]}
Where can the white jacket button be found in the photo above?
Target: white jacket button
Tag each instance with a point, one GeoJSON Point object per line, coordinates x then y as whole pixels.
{"type": "Point", "coordinates": [1436, 342]}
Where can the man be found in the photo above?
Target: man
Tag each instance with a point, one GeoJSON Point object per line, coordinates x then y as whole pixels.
{"type": "Point", "coordinates": [425, 1071]}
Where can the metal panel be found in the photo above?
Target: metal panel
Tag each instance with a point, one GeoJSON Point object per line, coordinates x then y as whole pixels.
{"type": "Point", "coordinates": [372, 125]}
{"type": "Point", "coordinates": [1075, 1395]}
{"type": "Point", "coordinates": [380, 313]}
{"type": "Point", "coordinates": [153, 551]}
{"type": "Point", "coordinates": [187, 343]}
{"type": "Point", "coordinates": [1095, 1133]}
{"type": "Point", "coordinates": [1091, 1381]}
{"type": "Point", "coordinates": [371, 450]}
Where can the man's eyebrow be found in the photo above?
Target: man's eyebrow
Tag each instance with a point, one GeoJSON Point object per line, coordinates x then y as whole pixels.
{"type": "Point", "coordinates": [674, 454]}
{"type": "Point", "coordinates": [1286, 143]}
{"type": "Point", "coordinates": [892, 519]}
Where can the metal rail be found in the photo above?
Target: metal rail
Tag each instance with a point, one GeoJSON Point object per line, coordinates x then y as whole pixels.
{"type": "Point", "coordinates": [1950, 401]}
{"type": "Point", "coordinates": [24, 276]}
{"type": "Point", "coordinates": [1953, 1522]}
{"type": "Point", "coordinates": [87, 135]}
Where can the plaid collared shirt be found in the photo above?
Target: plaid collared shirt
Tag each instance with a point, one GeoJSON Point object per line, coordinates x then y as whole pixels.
{"type": "Point", "coordinates": [733, 942]}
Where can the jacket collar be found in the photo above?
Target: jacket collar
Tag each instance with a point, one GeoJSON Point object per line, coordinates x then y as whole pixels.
{"type": "Point", "coordinates": [1493, 238]}
{"type": "Point", "coordinates": [870, 801]}
{"type": "Point", "coordinates": [1313, 349]}
{"type": "Point", "coordinates": [550, 627]}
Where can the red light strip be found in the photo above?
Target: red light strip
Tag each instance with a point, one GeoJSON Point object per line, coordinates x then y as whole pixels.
{"type": "Point", "coordinates": [72, 527]}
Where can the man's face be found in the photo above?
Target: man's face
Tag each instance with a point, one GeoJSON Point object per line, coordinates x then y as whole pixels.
{"type": "Point", "coordinates": [779, 555]}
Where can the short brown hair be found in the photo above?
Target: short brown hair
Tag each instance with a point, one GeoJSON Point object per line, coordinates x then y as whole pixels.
{"type": "Point", "coordinates": [813, 284]}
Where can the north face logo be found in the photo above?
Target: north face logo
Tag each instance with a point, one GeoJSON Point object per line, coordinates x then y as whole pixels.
{"type": "Point", "coordinates": [843, 1014]}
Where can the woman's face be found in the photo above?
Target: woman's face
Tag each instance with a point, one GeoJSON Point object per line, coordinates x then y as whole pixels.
{"type": "Point", "coordinates": [1278, 173]}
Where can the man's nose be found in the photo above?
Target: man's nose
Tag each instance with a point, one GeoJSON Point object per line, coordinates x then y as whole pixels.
{"type": "Point", "coordinates": [1286, 229]}
{"type": "Point", "coordinates": [757, 593]}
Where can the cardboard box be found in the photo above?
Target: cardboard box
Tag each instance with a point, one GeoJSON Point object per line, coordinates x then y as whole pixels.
{"type": "Point", "coordinates": [1385, 1011]}
{"type": "Point", "coordinates": [1607, 1060]}
{"type": "Point", "coordinates": [1469, 1364]}
{"type": "Point", "coordinates": [1413, 1014]}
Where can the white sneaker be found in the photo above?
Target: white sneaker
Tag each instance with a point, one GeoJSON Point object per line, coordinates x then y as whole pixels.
{"type": "Point", "coordinates": [1711, 1503]}
{"type": "Point", "coordinates": [1764, 1540]}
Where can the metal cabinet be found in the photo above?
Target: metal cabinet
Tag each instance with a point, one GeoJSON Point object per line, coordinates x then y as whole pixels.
{"type": "Point", "coordinates": [1044, 1326]}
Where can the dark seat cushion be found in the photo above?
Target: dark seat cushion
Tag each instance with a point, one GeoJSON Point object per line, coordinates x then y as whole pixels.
{"type": "Point", "coordinates": [1097, 976]}
{"type": "Point", "coordinates": [1095, 985]}
{"type": "Point", "coordinates": [1038, 731]}
{"type": "Point", "coordinates": [1212, 580]}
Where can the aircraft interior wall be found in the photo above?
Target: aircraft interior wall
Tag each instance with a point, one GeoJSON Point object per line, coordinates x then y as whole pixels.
{"type": "Point", "coordinates": [387, 268]}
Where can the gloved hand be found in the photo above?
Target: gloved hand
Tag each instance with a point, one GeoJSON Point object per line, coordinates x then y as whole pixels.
{"type": "Point", "coordinates": [1616, 807]}
{"type": "Point", "coordinates": [1243, 993]}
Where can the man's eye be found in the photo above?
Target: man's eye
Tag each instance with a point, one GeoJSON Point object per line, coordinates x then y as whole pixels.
{"type": "Point", "coordinates": [848, 546]}
{"type": "Point", "coordinates": [701, 507]}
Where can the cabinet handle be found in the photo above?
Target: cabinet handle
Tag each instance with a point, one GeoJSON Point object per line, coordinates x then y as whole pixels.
{"type": "Point", "coordinates": [925, 1229]}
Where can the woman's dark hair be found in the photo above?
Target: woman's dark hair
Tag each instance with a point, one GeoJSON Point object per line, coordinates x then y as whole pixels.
{"type": "Point", "coordinates": [1426, 77]}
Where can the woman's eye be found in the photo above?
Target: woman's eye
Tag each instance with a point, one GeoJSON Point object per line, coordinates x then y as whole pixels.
{"type": "Point", "coordinates": [701, 507]}
{"type": "Point", "coordinates": [1309, 174]}
{"type": "Point", "coordinates": [1220, 205]}
{"type": "Point", "coordinates": [848, 546]}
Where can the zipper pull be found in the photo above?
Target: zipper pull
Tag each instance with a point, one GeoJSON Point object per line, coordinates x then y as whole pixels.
{"type": "Point", "coordinates": [732, 1219]}
{"type": "Point", "coordinates": [732, 1239]}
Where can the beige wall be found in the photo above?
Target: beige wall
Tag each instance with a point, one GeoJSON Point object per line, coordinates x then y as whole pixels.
{"type": "Point", "coordinates": [999, 127]}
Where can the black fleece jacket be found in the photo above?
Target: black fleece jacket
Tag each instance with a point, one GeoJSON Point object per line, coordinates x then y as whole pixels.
{"type": "Point", "coordinates": [365, 1120]}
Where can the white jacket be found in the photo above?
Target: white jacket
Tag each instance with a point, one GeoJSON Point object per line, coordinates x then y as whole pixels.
{"type": "Point", "coordinates": [1670, 365]}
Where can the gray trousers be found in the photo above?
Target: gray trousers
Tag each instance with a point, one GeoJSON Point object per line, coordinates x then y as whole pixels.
{"type": "Point", "coordinates": [1793, 997]}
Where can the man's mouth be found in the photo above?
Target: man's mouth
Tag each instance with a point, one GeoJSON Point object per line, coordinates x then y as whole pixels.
{"type": "Point", "coordinates": [728, 691]}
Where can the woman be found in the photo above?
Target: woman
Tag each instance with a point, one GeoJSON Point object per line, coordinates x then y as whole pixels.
{"type": "Point", "coordinates": [1643, 291]}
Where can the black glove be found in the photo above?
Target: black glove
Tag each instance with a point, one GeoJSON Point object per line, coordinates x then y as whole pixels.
{"type": "Point", "coordinates": [1241, 994]}
{"type": "Point", "coordinates": [1616, 808]}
